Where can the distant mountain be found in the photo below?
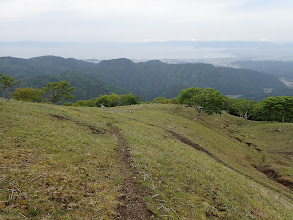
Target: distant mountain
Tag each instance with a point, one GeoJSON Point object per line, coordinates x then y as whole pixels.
{"type": "Point", "coordinates": [42, 65]}
{"type": "Point", "coordinates": [154, 78]}
{"type": "Point", "coordinates": [147, 79]}
{"type": "Point", "coordinates": [275, 68]}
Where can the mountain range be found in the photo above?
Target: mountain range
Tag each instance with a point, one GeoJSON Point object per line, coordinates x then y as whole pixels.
{"type": "Point", "coordinates": [149, 79]}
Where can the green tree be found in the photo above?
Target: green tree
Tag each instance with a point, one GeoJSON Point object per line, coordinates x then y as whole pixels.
{"type": "Point", "coordinates": [129, 99]}
{"type": "Point", "coordinates": [207, 100]}
{"type": "Point", "coordinates": [6, 82]}
{"type": "Point", "coordinates": [280, 106]}
{"type": "Point", "coordinates": [162, 100]}
{"type": "Point", "coordinates": [228, 103]}
{"type": "Point", "coordinates": [108, 100]}
{"type": "Point", "coordinates": [58, 91]}
{"type": "Point", "coordinates": [244, 108]}
{"type": "Point", "coordinates": [103, 101]}
{"type": "Point", "coordinates": [259, 113]}
{"type": "Point", "coordinates": [174, 100]}
{"type": "Point", "coordinates": [91, 102]}
{"type": "Point", "coordinates": [81, 103]}
{"type": "Point", "coordinates": [114, 100]}
{"type": "Point", "coordinates": [27, 94]}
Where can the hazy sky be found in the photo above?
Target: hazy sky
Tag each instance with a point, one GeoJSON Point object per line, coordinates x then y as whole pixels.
{"type": "Point", "coordinates": [145, 20]}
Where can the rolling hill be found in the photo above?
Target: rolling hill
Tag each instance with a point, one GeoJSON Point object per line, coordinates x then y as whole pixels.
{"type": "Point", "coordinates": [61, 162]}
{"type": "Point", "coordinates": [151, 79]}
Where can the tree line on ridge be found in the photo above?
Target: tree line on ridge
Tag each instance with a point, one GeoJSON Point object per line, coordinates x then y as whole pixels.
{"type": "Point", "coordinates": [208, 101]}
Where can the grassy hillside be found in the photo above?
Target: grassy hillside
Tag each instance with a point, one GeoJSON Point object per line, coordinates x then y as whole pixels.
{"type": "Point", "coordinates": [60, 162]}
{"type": "Point", "coordinates": [272, 143]}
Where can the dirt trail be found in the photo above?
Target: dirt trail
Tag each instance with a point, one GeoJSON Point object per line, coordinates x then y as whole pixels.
{"type": "Point", "coordinates": [197, 147]}
{"type": "Point", "coordinates": [132, 207]}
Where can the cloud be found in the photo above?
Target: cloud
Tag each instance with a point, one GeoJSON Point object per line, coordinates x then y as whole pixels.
{"type": "Point", "coordinates": [20, 9]}
{"type": "Point", "coordinates": [175, 10]}
{"type": "Point", "coordinates": [23, 9]}
{"type": "Point", "coordinates": [146, 19]}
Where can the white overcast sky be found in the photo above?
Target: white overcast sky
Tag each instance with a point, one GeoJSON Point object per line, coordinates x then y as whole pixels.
{"type": "Point", "coordinates": [146, 20]}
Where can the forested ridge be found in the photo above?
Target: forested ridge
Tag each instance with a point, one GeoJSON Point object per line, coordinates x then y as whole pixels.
{"type": "Point", "coordinates": [147, 79]}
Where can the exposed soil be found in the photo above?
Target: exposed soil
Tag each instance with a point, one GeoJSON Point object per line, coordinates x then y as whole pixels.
{"type": "Point", "coordinates": [247, 143]}
{"type": "Point", "coordinates": [273, 174]}
{"type": "Point", "coordinates": [192, 144]}
{"type": "Point", "coordinates": [94, 130]}
{"type": "Point", "coordinates": [59, 117]}
{"type": "Point", "coordinates": [132, 205]}
{"type": "Point", "coordinates": [253, 146]}
{"type": "Point", "coordinates": [288, 153]}
{"type": "Point", "coordinates": [238, 139]}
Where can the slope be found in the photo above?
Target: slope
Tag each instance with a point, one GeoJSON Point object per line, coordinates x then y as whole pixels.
{"type": "Point", "coordinates": [272, 143]}
{"type": "Point", "coordinates": [61, 162]}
